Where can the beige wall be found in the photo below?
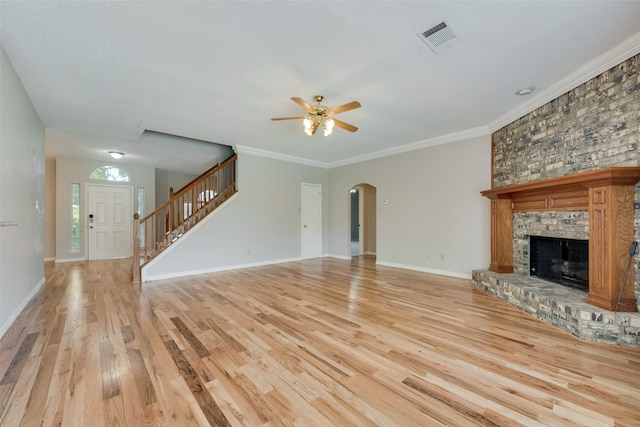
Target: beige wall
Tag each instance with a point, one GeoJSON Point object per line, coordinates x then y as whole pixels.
{"type": "Point", "coordinates": [434, 218]}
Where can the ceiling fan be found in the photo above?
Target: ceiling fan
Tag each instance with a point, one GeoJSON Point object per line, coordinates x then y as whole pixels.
{"type": "Point", "coordinates": [320, 115]}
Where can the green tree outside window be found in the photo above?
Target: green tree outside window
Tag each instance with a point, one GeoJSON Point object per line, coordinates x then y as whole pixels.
{"type": "Point", "coordinates": [109, 173]}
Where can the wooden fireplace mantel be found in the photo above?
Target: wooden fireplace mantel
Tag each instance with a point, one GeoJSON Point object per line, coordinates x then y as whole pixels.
{"type": "Point", "coordinates": [608, 196]}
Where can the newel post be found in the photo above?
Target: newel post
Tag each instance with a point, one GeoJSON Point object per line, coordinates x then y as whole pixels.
{"type": "Point", "coordinates": [135, 258]}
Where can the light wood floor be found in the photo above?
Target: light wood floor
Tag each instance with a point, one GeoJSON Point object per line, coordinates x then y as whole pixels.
{"type": "Point", "coordinates": [322, 342]}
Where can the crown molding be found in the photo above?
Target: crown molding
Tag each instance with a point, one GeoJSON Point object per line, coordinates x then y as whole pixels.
{"type": "Point", "coordinates": [591, 69]}
{"type": "Point", "coordinates": [431, 142]}
{"type": "Point", "coordinates": [243, 149]}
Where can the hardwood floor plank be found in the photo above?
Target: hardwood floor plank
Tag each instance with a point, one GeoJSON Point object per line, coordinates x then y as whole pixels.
{"type": "Point", "coordinates": [93, 397]}
{"type": "Point", "coordinates": [208, 406]}
{"type": "Point", "coordinates": [14, 370]}
{"type": "Point", "coordinates": [194, 342]}
{"type": "Point", "coordinates": [143, 383]}
{"type": "Point", "coordinates": [20, 393]}
{"type": "Point", "coordinates": [318, 342]}
{"type": "Point", "coordinates": [110, 375]}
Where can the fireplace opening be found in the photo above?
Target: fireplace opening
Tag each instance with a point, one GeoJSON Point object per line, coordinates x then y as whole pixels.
{"type": "Point", "coordinates": [562, 261]}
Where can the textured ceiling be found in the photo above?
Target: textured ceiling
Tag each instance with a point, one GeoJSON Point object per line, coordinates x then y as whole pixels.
{"type": "Point", "coordinates": [100, 73]}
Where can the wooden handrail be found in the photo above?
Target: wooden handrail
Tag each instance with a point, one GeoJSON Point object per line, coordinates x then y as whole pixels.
{"type": "Point", "coordinates": [184, 209]}
{"type": "Point", "coordinates": [195, 180]}
{"type": "Point", "coordinates": [204, 173]}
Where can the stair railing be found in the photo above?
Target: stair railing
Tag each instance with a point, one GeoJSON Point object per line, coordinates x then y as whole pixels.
{"type": "Point", "coordinates": [184, 209]}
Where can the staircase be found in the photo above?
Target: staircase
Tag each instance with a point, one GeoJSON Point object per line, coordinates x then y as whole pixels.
{"type": "Point", "coordinates": [184, 209]}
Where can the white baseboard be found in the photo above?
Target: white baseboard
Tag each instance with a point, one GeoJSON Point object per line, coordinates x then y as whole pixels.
{"type": "Point", "coordinates": [7, 324]}
{"type": "Point", "coordinates": [216, 269]}
{"type": "Point", "coordinates": [338, 256]}
{"type": "Point", "coordinates": [58, 260]}
{"type": "Point", "coordinates": [348, 256]}
{"type": "Point", "coordinates": [426, 270]}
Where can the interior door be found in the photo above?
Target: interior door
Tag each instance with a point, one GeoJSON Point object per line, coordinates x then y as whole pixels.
{"type": "Point", "coordinates": [311, 221]}
{"type": "Point", "coordinates": [109, 221]}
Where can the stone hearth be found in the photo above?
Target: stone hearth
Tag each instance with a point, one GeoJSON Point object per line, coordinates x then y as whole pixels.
{"type": "Point", "coordinates": [562, 307]}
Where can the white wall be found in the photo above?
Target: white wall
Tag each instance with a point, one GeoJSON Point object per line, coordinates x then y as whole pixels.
{"type": "Point", "coordinates": [168, 179]}
{"type": "Point", "coordinates": [49, 209]}
{"type": "Point", "coordinates": [261, 225]}
{"type": "Point", "coordinates": [435, 220]}
{"type": "Point", "coordinates": [21, 196]}
{"type": "Point", "coordinates": [68, 171]}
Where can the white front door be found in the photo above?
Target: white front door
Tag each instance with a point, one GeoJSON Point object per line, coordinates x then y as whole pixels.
{"type": "Point", "coordinates": [109, 221]}
{"type": "Point", "coordinates": [311, 220]}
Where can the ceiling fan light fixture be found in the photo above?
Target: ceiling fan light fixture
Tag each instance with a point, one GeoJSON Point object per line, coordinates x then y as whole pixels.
{"type": "Point", "coordinates": [320, 115]}
{"type": "Point", "coordinates": [308, 124]}
{"type": "Point", "coordinates": [327, 126]}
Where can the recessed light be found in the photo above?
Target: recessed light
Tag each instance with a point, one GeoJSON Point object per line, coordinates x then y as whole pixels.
{"type": "Point", "coordinates": [116, 154]}
{"type": "Point", "coordinates": [525, 91]}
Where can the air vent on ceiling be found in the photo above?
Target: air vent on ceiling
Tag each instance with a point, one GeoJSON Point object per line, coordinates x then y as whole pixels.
{"type": "Point", "coordinates": [440, 36]}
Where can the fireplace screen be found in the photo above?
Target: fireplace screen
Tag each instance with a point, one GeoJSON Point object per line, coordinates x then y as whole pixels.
{"type": "Point", "coordinates": [563, 261]}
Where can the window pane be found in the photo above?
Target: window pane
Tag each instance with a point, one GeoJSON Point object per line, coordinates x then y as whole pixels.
{"type": "Point", "coordinates": [109, 173]}
{"type": "Point", "coordinates": [141, 213]}
{"type": "Point", "coordinates": [75, 217]}
{"type": "Point", "coordinates": [141, 202]}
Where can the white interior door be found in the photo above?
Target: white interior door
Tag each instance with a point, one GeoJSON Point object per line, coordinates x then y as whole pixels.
{"type": "Point", "coordinates": [311, 221]}
{"type": "Point", "coordinates": [109, 221]}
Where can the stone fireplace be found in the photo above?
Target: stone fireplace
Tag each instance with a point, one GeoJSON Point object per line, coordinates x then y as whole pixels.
{"type": "Point", "coordinates": [608, 197]}
{"type": "Point", "coordinates": [594, 205]}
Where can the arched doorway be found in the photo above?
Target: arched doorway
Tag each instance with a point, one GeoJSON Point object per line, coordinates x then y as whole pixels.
{"type": "Point", "coordinates": [362, 220]}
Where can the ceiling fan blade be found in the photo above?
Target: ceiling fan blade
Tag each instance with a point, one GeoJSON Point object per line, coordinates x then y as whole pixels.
{"type": "Point", "coordinates": [288, 118]}
{"type": "Point", "coordinates": [304, 104]}
{"type": "Point", "coordinates": [344, 107]}
{"type": "Point", "coordinates": [343, 125]}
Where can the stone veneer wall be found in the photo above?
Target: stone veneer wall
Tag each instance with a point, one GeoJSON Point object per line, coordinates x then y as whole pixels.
{"type": "Point", "coordinates": [593, 126]}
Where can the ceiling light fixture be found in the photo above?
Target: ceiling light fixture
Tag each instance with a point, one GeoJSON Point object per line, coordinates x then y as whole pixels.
{"type": "Point", "coordinates": [525, 91]}
{"type": "Point", "coordinates": [320, 115]}
{"type": "Point", "coordinates": [312, 122]}
{"type": "Point", "coordinates": [116, 154]}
